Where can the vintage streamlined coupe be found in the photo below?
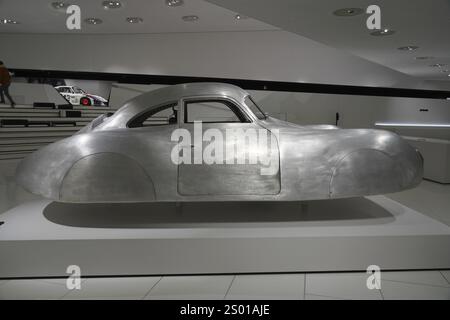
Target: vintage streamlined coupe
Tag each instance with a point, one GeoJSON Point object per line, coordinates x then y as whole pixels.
{"type": "Point", "coordinates": [129, 156]}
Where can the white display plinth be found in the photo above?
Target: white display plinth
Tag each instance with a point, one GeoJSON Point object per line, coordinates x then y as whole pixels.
{"type": "Point", "coordinates": [436, 154]}
{"type": "Point", "coordinates": [41, 238]}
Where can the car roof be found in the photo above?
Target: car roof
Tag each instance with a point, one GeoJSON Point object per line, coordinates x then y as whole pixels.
{"type": "Point", "coordinates": [154, 99]}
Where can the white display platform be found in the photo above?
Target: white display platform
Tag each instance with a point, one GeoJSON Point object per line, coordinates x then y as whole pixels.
{"type": "Point", "coordinates": [42, 238]}
{"type": "Point", "coordinates": [436, 154]}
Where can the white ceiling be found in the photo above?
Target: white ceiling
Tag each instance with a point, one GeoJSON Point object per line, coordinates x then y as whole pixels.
{"type": "Point", "coordinates": [37, 16]}
{"type": "Point", "coordinates": [423, 23]}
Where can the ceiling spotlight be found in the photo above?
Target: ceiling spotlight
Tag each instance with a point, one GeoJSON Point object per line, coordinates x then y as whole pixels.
{"type": "Point", "coordinates": [174, 3]}
{"type": "Point", "coordinates": [135, 20]}
{"type": "Point", "coordinates": [382, 32]}
{"type": "Point", "coordinates": [93, 20]}
{"type": "Point", "coordinates": [348, 12]}
{"type": "Point", "coordinates": [423, 58]}
{"type": "Point", "coordinates": [190, 18]}
{"type": "Point", "coordinates": [8, 21]}
{"type": "Point", "coordinates": [240, 17]}
{"type": "Point", "coordinates": [438, 65]}
{"type": "Point", "coordinates": [408, 48]}
{"type": "Point", "coordinates": [111, 4]}
{"type": "Point", "coordinates": [59, 5]}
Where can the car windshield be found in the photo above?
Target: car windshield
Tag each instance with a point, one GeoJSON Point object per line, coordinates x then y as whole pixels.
{"type": "Point", "coordinates": [77, 90]}
{"type": "Point", "coordinates": [255, 109]}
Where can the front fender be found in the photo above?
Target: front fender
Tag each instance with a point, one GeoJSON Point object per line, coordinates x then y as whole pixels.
{"type": "Point", "coordinates": [365, 172]}
{"type": "Point", "coordinates": [371, 171]}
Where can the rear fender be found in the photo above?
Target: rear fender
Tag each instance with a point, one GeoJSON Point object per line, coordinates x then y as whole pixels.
{"type": "Point", "coordinates": [106, 177]}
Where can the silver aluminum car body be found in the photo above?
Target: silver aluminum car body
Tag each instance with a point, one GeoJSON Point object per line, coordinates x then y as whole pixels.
{"type": "Point", "coordinates": [109, 162]}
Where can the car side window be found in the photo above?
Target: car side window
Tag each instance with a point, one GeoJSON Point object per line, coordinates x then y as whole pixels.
{"type": "Point", "coordinates": [212, 111]}
{"type": "Point", "coordinates": [163, 115]}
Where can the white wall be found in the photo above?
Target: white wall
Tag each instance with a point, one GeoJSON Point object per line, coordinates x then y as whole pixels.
{"type": "Point", "coordinates": [121, 92]}
{"type": "Point", "coordinates": [263, 55]}
{"type": "Point", "coordinates": [358, 111]}
{"type": "Point", "coordinates": [270, 55]}
{"type": "Point", "coordinates": [355, 111]}
{"type": "Point", "coordinates": [28, 93]}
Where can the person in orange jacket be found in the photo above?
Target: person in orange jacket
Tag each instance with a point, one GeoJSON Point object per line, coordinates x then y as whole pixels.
{"type": "Point", "coordinates": [5, 81]}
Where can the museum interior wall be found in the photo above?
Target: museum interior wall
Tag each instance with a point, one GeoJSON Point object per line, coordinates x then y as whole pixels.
{"type": "Point", "coordinates": [268, 55]}
{"type": "Point", "coordinates": [298, 107]}
{"type": "Point", "coordinates": [28, 93]}
{"type": "Point", "coordinates": [274, 55]}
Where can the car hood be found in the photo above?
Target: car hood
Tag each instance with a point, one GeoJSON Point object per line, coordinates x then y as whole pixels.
{"type": "Point", "coordinates": [93, 96]}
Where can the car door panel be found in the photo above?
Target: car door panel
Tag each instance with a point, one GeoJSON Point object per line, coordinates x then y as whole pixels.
{"type": "Point", "coordinates": [230, 177]}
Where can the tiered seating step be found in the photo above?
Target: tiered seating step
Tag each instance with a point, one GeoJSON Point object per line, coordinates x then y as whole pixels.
{"type": "Point", "coordinates": [24, 129]}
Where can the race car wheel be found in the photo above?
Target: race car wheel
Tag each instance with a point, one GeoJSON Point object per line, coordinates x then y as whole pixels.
{"type": "Point", "coordinates": [85, 102]}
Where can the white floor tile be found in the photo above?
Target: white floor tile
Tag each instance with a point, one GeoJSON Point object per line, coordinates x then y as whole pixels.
{"type": "Point", "coordinates": [31, 289]}
{"type": "Point", "coordinates": [268, 287]}
{"type": "Point", "coordinates": [3, 282]}
{"type": "Point", "coordinates": [446, 274]}
{"type": "Point", "coordinates": [59, 281]}
{"type": "Point", "coordinates": [114, 288]}
{"type": "Point", "coordinates": [341, 285]}
{"type": "Point", "coordinates": [406, 291]}
{"type": "Point", "coordinates": [191, 287]}
{"type": "Point", "coordinates": [432, 278]}
{"type": "Point", "coordinates": [317, 297]}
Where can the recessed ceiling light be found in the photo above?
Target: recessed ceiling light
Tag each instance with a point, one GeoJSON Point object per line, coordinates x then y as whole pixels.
{"type": "Point", "coordinates": [348, 12]}
{"type": "Point", "coordinates": [59, 5]}
{"type": "Point", "coordinates": [190, 18]}
{"type": "Point", "coordinates": [174, 3]}
{"type": "Point", "coordinates": [240, 17]}
{"type": "Point", "coordinates": [408, 48]}
{"type": "Point", "coordinates": [135, 20]}
{"type": "Point", "coordinates": [111, 4]}
{"type": "Point", "coordinates": [423, 58]}
{"type": "Point", "coordinates": [93, 21]}
{"type": "Point", "coordinates": [9, 21]}
{"type": "Point", "coordinates": [382, 32]}
{"type": "Point", "coordinates": [438, 65]}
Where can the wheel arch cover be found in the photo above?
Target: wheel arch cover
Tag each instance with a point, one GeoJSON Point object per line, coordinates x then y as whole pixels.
{"type": "Point", "coordinates": [118, 177]}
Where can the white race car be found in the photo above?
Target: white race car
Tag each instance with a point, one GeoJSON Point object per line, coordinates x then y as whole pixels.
{"type": "Point", "coordinates": [78, 96]}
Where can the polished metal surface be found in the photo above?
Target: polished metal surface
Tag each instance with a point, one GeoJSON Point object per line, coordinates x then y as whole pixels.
{"type": "Point", "coordinates": [109, 162]}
